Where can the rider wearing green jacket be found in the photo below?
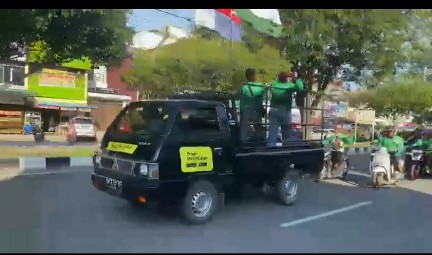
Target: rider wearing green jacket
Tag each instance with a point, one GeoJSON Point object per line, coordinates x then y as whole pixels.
{"type": "Point", "coordinates": [395, 146]}
{"type": "Point", "coordinates": [425, 143]}
{"type": "Point", "coordinates": [344, 138]}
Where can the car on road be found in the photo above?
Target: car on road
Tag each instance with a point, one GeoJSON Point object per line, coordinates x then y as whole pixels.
{"type": "Point", "coordinates": [186, 151]}
{"type": "Point", "coordinates": [81, 128]}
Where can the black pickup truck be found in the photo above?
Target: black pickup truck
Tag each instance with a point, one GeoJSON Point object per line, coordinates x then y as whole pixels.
{"type": "Point", "coordinates": [186, 152]}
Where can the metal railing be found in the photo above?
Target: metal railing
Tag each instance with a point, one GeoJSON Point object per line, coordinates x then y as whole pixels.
{"type": "Point", "coordinates": [230, 99]}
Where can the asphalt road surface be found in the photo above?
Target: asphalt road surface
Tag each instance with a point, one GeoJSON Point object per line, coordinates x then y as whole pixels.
{"type": "Point", "coordinates": [64, 213]}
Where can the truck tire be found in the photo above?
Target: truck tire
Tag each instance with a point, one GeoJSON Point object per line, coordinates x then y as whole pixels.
{"type": "Point", "coordinates": [287, 189]}
{"type": "Point", "coordinates": [200, 202]}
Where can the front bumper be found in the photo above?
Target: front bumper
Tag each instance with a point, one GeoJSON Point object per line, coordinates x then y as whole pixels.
{"type": "Point", "coordinates": [132, 186]}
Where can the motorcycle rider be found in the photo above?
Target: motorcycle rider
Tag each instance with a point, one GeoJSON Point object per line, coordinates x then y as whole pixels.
{"type": "Point", "coordinates": [339, 153]}
{"type": "Point", "coordinates": [395, 147]}
{"type": "Point", "coordinates": [425, 142]}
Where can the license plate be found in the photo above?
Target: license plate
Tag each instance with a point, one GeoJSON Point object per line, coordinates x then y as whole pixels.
{"type": "Point", "coordinates": [113, 184]}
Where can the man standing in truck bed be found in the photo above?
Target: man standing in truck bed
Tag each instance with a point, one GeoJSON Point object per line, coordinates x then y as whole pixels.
{"type": "Point", "coordinates": [281, 105]}
{"type": "Point", "coordinates": [252, 95]}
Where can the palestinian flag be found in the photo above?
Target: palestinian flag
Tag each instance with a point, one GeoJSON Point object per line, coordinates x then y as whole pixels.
{"type": "Point", "coordinates": [227, 21]}
{"type": "Point", "coordinates": [263, 20]}
{"type": "Point", "coordinates": [223, 21]}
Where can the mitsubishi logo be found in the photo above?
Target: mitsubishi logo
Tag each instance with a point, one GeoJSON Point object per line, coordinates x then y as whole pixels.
{"type": "Point", "coordinates": [115, 166]}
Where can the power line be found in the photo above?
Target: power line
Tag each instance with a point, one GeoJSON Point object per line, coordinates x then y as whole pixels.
{"type": "Point", "coordinates": [175, 15]}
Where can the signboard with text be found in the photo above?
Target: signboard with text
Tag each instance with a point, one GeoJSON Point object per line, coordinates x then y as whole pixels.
{"type": "Point", "coordinates": [66, 84]}
{"type": "Point", "coordinates": [55, 78]}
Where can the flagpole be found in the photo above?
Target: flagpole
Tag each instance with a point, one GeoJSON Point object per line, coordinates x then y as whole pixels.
{"type": "Point", "coordinates": [231, 42]}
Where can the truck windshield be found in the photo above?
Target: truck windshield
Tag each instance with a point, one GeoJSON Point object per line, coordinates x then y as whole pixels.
{"type": "Point", "coordinates": [145, 118]}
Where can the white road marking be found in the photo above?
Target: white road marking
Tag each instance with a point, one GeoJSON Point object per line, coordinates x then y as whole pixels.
{"type": "Point", "coordinates": [323, 215]}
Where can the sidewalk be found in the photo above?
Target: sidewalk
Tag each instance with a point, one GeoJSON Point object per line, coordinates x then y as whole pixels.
{"type": "Point", "coordinates": [49, 137]}
{"type": "Point", "coordinates": [8, 173]}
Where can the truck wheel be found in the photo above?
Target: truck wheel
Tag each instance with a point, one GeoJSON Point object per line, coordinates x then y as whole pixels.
{"type": "Point", "coordinates": [200, 202]}
{"type": "Point", "coordinates": [287, 190]}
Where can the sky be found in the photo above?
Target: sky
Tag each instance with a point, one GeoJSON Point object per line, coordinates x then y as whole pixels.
{"type": "Point", "coordinates": [147, 19]}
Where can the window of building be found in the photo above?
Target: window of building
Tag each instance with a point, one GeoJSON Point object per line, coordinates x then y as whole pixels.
{"type": "Point", "coordinates": [98, 77]}
{"type": "Point", "coordinates": [12, 75]}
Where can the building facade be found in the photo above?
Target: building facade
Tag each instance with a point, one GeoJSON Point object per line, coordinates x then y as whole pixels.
{"type": "Point", "coordinates": [108, 101]}
{"type": "Point", "coordinates": [14, 98]}
{"type": "Point", "coordinates": [61, 92]}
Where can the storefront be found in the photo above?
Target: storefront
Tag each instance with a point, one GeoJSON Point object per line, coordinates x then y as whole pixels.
{"type": "Point", "coordinates": [108, 106]}
{"type": "Point", "coordinates": [13, 105]}
{"type": "Point", "coordinates": [61, 92]}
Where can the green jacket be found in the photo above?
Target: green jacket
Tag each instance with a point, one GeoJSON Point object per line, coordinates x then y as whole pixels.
{"type": "Point", "coordinates": [425, 144]}
{"type": "Point", "coordinates": [281, 93]}
{"type": "Point", "coordinates": [345, 139]}
{"type": "Point", "coordinates": [393, 144]}
{"type": "Point", "coordinates": [252, 95]}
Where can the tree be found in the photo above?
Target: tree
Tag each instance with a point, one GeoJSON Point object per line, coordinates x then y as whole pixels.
{"type": "Point", "coordinates": [393, 98]}
{"type": "Point", "coordinates": [346, 43]}
{"type": "Point", "coordinates": [201, 64]}
{"type": "Point", "coordinates": [61, 35]}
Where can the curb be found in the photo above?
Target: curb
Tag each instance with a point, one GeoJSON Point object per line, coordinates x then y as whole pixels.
{"type": "Point", "coordinates": [38, 165]}
{"type": "Point", "coordinates": [49, 163]}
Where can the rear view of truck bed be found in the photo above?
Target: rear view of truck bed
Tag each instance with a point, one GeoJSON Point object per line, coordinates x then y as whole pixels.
{"type": "Point", "coordinates": [305, 155]}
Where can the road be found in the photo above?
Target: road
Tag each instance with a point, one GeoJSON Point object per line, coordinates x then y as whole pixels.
{"type": "Point", "coordinates": [64, 213]}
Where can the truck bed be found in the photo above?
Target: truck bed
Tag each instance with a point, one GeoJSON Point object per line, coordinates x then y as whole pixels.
{"type": "Point", "coordinates": [305, 155]}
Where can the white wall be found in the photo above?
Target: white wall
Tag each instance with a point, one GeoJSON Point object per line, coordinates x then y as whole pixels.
{"type": "Point", "coordinates": [98, 79]}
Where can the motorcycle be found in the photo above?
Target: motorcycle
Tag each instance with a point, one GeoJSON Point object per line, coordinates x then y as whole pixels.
{"type": "Point", "coordinates": [416, 157]}
{"type": "Point", "coordinates": [38, 133]}
{"type": "Point", "coordinates": [381, 169]}
{"type": "Point", "coordinates": [331, 158]}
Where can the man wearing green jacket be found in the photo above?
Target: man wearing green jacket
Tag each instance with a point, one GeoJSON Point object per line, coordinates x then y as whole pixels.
{"type": "Point", "coordinates": [252, 95]}
{"type": "Point", "coordinates": [425, 143]}
{"type": "Point", "coordinates": [395, 146]}
{"type": "Point", "coordinates": [280, 106]}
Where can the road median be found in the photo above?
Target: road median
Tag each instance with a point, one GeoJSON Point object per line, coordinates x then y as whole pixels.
{"type": "Point", "coordinates": [41, 165]}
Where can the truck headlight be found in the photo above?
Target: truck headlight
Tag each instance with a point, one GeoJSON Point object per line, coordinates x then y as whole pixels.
{"type": "Point", "coordinates": [149, 170]}
{"type": "Point", "coordinates": [143, 170]}
{"type": "Point", "coordinates": [97, 157]}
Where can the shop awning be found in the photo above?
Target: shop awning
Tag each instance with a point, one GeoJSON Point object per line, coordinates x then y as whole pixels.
{"type": "Point", "coordinates": [16, 97]}
{"type": "Point", "coordinates": [67, 106]}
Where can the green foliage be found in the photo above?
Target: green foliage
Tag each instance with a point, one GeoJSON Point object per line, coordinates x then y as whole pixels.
{"type": "Point", "coordinates": [201, 64]}
{"type": "Point", "coordinates": [394, 98]}
{"type": "Point", "coordinates": [322, 42]}
{"type": "Point", "coordinates": [61, 35]}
